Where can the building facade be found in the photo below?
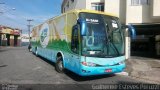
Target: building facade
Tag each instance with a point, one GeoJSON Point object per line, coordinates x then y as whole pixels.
{"type": "Point", "coordinates": [129, 11]}
{"type": "Point", "coordinates": [24, 40]}
{"type": "Point", "coordinates": [10, 36]}
{"type": "Point", "coordinates": [144, 15]}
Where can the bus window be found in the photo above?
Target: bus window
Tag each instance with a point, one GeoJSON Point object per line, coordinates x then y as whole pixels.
{"type": "Point", "coordinates": [103, 36]}
{"type": "Point", "coordinates": [75, 40]}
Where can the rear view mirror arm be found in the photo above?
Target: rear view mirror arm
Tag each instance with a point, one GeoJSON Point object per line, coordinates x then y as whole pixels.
{"type": "Point", "coordinates": [132, 31]}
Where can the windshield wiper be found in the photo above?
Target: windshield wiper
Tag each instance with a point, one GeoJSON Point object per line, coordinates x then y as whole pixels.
{"type": "Point", "coordinates": [115, 48]}
{"type": "Point", "coordinates": [109, 41]}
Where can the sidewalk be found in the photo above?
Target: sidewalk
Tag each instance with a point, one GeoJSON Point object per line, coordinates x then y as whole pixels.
{"type": "Point", "coordinates": [145, 69]}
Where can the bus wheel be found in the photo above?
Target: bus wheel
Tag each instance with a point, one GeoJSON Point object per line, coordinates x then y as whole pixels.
{"type": "Point", "coordinates": [59, 65]}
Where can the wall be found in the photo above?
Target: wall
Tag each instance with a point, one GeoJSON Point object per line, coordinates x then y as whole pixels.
{"type": "Point", "coordinates": [147, 14]}
{"type": "Point", "coordinates": [112, 6]}
{"type": "Point", "coordinates": [143, 13]}
{"type": "Point", "coordinates": [80, 4]}
{"type": "Point", "coordinates": [25, 37]}
{"type": "Point", "coordinates": [122, 11]}
{"type": "Point", "coordinates": [8, 36]}
{"type": "Point", "coordinates": [156, 7]}
{"type": "Point", "coordinates": [158, 45]}
{"type": "Point", "coordinates": [77, 4]}
{"type": "Point", "coordinates": [11, 40]}
{"type": "Point", "coordinates": [89, 2]}
{"type": "Point", "coordinates": [133, 13]}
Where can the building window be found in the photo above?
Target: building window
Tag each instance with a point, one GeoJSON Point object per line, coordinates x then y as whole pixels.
{"type": "Point", "coordinates": [97, 6]}
{"type": "Point", "coordinates": [64, 10]}
{"type": "Point", "coordinates": [144, 2]}
{"type": "Point", "coordinates": [139, 2]}
{"type": "Point", "coordinates": [68, 4]}
{"type": "Point", "coordinates": [72, 1]}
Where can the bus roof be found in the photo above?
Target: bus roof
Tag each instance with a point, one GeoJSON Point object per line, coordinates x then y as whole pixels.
{"type": "Point", "coordinates": [92, 11]}
{"type": "Point", "coordinates": [81, 10]}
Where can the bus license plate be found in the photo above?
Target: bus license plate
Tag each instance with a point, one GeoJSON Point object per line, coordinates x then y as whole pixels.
{"type": "Point", "coordinates": [108, 70]}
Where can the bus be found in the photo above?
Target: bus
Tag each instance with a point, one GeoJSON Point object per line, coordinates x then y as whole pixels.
{"type": "Point", "coordinates": [85, 42]}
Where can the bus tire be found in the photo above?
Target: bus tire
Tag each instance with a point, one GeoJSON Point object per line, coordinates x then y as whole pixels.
{"type": "Point", "coordinates": [59, 65]}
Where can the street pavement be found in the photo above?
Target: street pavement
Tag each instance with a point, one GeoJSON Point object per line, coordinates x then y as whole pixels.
{"type": "Point", "coordinates": [146, 69]}
{"type": "Point", "coordinates": [20, 67]}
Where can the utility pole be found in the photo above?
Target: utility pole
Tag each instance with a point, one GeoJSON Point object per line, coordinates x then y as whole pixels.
{"type": "Point", "coordinates": [8, 10]}
{"type": "Point", "coordinates": [29, 28]}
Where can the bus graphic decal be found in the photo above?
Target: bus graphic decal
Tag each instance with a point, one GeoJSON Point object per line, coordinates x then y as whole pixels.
{"type": "Point", "coordinates": [44, 35]}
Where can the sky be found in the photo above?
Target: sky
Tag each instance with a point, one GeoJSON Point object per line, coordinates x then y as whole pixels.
{"type": "Point", "coordinates": [14, 13]}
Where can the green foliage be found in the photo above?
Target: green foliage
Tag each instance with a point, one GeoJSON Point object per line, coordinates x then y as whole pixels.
{"type": "Point", "coordinates": [55, 45]}
{"type": "Point", "coordinates": [36, 44]}
{"type": "Point", "coordinates": [59, 45]}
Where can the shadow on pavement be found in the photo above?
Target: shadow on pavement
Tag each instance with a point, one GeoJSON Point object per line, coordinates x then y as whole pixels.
{"type": "Point", "coordinates": [3, 50]}
{"type": "Point", "coordinates": [145, 58]}
{"type": "Point", "coordinates": [144, 54]}
{"type": "Point", "coordinates": [76, 77]}
{"type": "Point", "coordinates": [46, 60]}
{"type": "Point", "coordinates": [3, 66]}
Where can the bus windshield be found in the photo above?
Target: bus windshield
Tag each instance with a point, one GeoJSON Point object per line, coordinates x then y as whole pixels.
{"type": "Point", "coordinates": [103, 36]}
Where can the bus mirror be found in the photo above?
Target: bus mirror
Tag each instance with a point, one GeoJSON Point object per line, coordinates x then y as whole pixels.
{"type": "Point", "coordinates": [132, 31]}
{"type": "Point", "coordinates": [124, 26]}
{"type": "Point", "coordinates": [82, 26]}
{"type": "Point", "coordinates": [75, 27]}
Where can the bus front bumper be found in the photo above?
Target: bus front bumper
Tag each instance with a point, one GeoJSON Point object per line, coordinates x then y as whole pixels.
{"type": "Point", "coordinates": [89, 71]}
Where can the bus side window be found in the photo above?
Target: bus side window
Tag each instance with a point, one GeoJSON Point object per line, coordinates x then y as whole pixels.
{"type": "Point", "coordinates": [75, 41]}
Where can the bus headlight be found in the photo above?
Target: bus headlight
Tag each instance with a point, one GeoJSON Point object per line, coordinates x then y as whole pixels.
{"type": "Point", "coordinates": [122, 62]}
{"type": "Point", "coordinates": [90, 64]}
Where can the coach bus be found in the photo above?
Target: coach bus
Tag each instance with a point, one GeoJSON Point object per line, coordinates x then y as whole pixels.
{"type": "Point", "coordinates": [82, 41]}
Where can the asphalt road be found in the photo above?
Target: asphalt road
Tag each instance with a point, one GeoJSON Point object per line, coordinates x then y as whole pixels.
{"type": "Point", "coordinates": [20, 67]}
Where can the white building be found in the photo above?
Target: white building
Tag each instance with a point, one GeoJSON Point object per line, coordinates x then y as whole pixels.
{"type": "Point", "coordinates": [129, 11]}
{"type": "Point", "coordinates": [143, 14]}
{"type": "Point", "coordinates": [25, 39]}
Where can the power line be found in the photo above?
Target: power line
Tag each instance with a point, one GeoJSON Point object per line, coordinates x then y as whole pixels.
{"type": "Point", "coordinates": [11, 19]}
{"type": "Point", "coordinates": [2, 3]}
{"type": "Point", "coordinates": [6, 11]}
{"type": "Point", "coordinates": [18, 15]}
{"type": "Point", "coordinates": [5, 8]}
{"type": "Point", "coordinates": [8, 14]}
